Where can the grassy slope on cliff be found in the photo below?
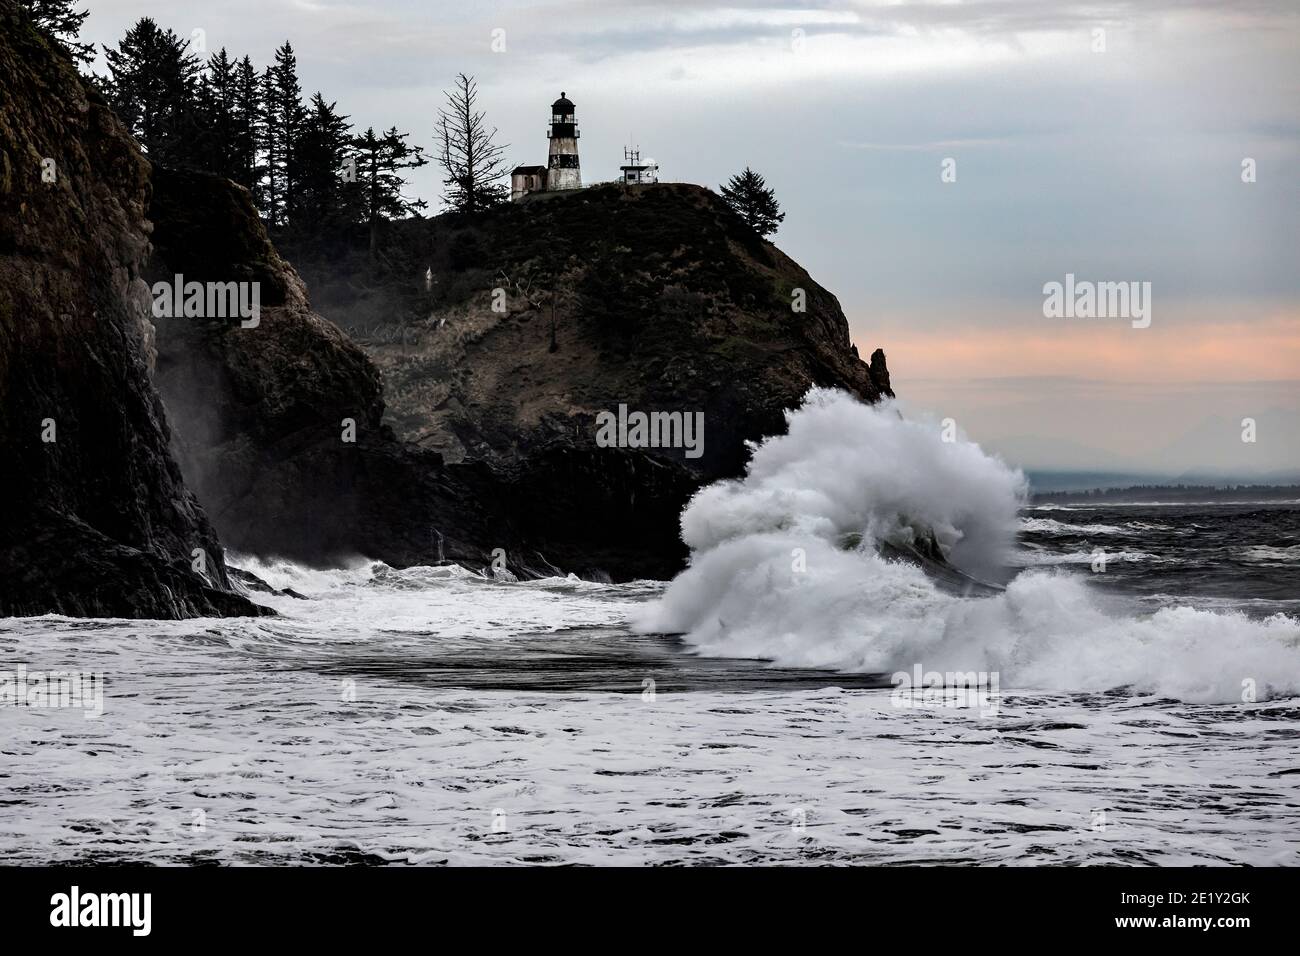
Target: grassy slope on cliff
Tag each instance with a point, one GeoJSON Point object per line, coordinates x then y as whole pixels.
{"type": "Point", "coordinates": [662, 299]}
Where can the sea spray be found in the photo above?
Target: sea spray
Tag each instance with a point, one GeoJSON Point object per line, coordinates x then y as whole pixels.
{"type": "Point", "coordinates": [848, 468]}
{"type": "Point", "coordinates": [771, 575]}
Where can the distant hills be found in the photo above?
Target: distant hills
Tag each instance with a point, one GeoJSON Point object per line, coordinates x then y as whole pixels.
{"type": "Point", "coordinates": [1173, 492]}
{"type": "Point", "coordinates": [1043, 482]}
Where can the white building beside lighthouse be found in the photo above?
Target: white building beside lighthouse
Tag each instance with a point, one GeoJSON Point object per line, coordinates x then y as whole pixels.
{"type": "Point", "coordinates": [635, 171]}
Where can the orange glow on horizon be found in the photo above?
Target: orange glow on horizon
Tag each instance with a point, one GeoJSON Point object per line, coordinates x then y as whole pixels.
{"type": "Point", "coordinates": [1265, 349]}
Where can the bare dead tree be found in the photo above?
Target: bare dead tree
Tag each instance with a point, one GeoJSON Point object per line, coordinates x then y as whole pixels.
{"type": "Point", "coordinates": [474, 163]}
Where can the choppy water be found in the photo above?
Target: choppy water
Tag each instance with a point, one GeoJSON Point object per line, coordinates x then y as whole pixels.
{"type": "Point", "coordinates": [1146, 712]}
{"type": "Point", "coordinates": [429, 716]}
{"type": "Point", "coordinates": [1210, 554]}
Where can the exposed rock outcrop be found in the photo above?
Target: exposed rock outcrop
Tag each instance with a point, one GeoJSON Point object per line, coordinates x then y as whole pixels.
{"type": "Point", "coordinates": [502, 336]}
{"type": "Point", "coordinates": [94, 516]}
{"type": "Point", "coordinates": [283, 430]}
{"type": "Point", "coordinates": [504, 332]}
{"type": "Point", "coordinates": [279, 426]}
{"type": "Point", "coordinates": [458, 415]}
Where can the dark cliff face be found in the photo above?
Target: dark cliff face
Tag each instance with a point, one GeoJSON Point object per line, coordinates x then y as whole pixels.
{"type": "Point", "coordinates": [503, 336]}
{"type": "Point", "coordinates": [488, 438]}
{"type": "Point", "coordinates": [94, 516]}
{"type": "Point", "coordinates": [656, 297]}
{"type": "Point", "coordinates": [278, 426]}
{"type": "Point", "coordinates": [462, 421]}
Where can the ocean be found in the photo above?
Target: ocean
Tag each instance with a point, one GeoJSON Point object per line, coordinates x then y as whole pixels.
{"type": "Point", "coordinates": [1144, 709]}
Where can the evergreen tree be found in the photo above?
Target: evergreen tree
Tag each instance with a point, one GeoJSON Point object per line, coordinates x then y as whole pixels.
{"type": "Point", "coordinates": [270, 181]}
{"type": "Point", "coordinates": [474, 164]}
{"type": "Point", "coordinates": [284, 125]}
{"type": "Point", "coordinates": [245, 123]}
{"type": "Point", "coordinates": [324, 161]}
{"type": "Point", "coordinates": [62, 24]}
{"type": "Point", "coordinates": [748, 194]}
{"type": "Point", "coordinates": [280, 124]}
{"type": "Point", "coordinates": [216, 95]}
{"type": "Point", "coordinates": [380, 160]}
{"type": "Point", "coordinates": [152, 86]}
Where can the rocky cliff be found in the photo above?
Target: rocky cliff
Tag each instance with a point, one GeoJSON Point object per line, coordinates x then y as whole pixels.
{"type": "Point", "coordinates": [504, 332]}
{"type": "Point", "coordinates": [481, 432]}
{"type": "Point", "coordinates": [455, 417]}
{"type": "Point", "coordinates": [503, 337]}
{"type": "Point", "coordinates": [279, 426]}
{"type": "Point", "coordinates": [94, 516]}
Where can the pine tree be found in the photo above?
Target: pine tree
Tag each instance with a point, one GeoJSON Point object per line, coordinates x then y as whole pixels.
{"type": "Point", "coordinates": [324, 156]}
{"type": "Point", "coordinates": [152, 86]}
{"type": "Point", "coordinates": [269, 191]}
{"type": "Point", "coordinates": [216, 95]}
{"type": "Point", "coordinates": [281, 117]}
{"type": "Point", "coordinates": [380, 160]}
{"type": "Point", "coordinates": [753, 201]}
{"type": "Point", "coordinates": [245, 123]}
{"type": "Point", "coordinates": [62, 24]}
{"type": "Point", "coordinates": [286, 122]}
{"type": "Point", "coordinates": [474, 164]}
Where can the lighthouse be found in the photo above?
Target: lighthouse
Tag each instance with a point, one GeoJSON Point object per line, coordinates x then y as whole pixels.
{"type": "Point", "coordinates": [562, 170]}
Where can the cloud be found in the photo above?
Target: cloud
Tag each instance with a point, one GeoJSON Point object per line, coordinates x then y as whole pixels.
{"type": "Point", "coordinates": [1122, 165]}
{"type": "Point", "coordinates": [947, 144]}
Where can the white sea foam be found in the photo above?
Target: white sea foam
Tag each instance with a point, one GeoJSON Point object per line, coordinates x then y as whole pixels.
{"type": "Point", "coordinates": [1051, 526]}
{"type": "Point", "coordinates": [770, 576]}
{"type": "Point", "coordinates": [844, 467]}
{"type": "Point", "coordinates": [1267, 554]}
{"type": "Point", "coordinates": [1037, 558]}
{"type": "Point", "coordinates": [230, 740]}
{"type": "Point", "coordinates": [341, 730]}
{"type": "Point", "coordinates": [349, 727]}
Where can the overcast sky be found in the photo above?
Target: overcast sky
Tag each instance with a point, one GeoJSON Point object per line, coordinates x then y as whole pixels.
{"type": "Point", "coordinates": [1114, 164]}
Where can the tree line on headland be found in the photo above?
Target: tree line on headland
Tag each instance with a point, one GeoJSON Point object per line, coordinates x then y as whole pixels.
{"type": "Point", "coordinates": [308, 169]}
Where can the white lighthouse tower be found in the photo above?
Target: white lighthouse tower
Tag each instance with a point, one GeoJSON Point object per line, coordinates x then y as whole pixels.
{"type": "Point", "coordinates": [562, 170]}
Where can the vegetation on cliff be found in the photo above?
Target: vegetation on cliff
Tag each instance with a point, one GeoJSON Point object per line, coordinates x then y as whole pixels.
{"type": "Point", "coordinates": [511, 329]}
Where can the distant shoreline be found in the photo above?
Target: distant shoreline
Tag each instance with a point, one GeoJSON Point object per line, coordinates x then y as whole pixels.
{"type": "Point", "coordinates": [1180, 492]}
